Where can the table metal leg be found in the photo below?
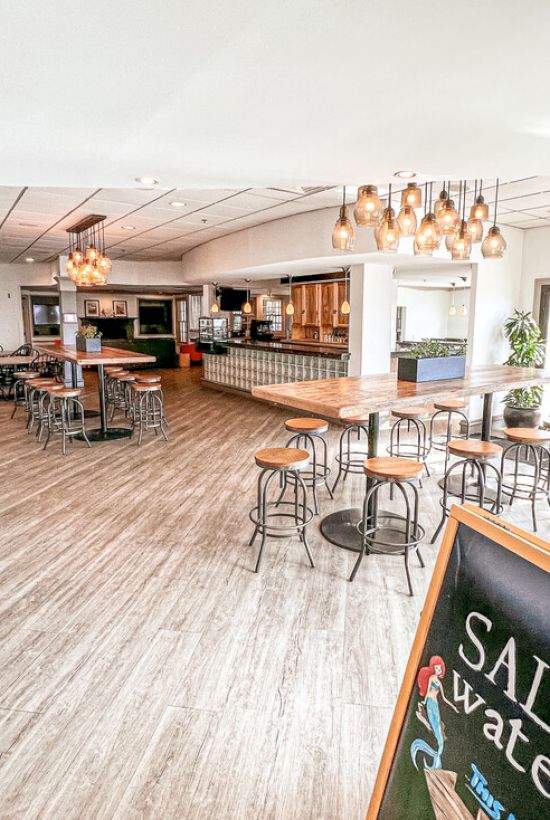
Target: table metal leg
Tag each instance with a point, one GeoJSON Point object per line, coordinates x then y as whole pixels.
{"type": "Point", "coordinates": [487, 419]}
{"type": "Point", "coordinates": [105, 433]}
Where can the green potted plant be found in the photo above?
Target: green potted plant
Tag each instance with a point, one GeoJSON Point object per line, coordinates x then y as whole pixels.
{"type": "Point", "coordinates": [88, 339]}
{"type": "Point", "coordinates": [430, 361]}
{"type": "Point", "coordinates": [522, 405]}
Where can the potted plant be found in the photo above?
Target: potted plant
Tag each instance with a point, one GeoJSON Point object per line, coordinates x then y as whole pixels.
{"type": "Point", "coordinates": [430, 361]}
{"type": "Point", "coordinates": [522, 405]}
{"type": "Point", "coordinates": [88, 339]}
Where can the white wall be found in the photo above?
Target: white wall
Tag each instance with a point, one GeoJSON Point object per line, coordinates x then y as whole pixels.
{"type": "Point", "coordinates": [12, 278]}
{"type": "Point", "coordinates": [536, 266]}
{"type": "Point", "coordinates": [428, 313]}
{"type": "Point", "coordinates": [372, 295]}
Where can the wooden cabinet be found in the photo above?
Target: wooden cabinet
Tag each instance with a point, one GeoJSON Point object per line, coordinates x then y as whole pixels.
{"type": "Point", "coordinates": [299, 308]}
{"type": "Point", "coordinates": [317, 311]}
{"type": "Point", "coordinates": [312, 305]}
{"type": "Point", "coordinates": [329, 310]}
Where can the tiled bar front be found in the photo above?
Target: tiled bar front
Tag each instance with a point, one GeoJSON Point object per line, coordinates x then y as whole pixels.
{"type": "Point", "coordinates": [245, 368]}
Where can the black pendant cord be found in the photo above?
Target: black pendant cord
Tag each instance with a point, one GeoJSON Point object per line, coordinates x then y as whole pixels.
{"type": "Point", "coordinates": [431, 194]}
{"type": "Point", "coordinates": [496, 204]}
{"type": "Point", "coordinates": [481, 187]}
{"type": "Point", "coordinates": [389, 196]}
{"type": "Point", "coordinates": [464, 203]}
{"type": "Point", "coordinates": [343, 199]}
{"type": "Point", "coordinates": [475, 191]}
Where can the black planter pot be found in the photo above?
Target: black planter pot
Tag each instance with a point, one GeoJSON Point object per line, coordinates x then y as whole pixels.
{"type": "Point", "coordinates": [520, 417]}
{"type": "Point", "coordinates": [430, 370]}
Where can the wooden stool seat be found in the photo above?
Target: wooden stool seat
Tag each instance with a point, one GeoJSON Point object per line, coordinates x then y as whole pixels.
{"type": "Point", "coordinates": [27, 374]}
{"type": "Point", "coordinates": [150, 378]}
{"type": "Point", "coordinates": [412, 412]}
{"type": "Point", "coordinates": [43, 382]}
{"type": "Point", "coordinates": [66, 392]}
{"type": "Point", "coordinates": [144, 387]}
{"type": "Point", "coordinates": [387, 467]}
{"type": "Point", "coordinates": [307, 425]}
{"type": "Point", "coordinates": [282, 458]}
{"type": "Point", "coordinates": [527, 435]}
{"type": "Point", "coordinates": [450, 404]}
{"type": "Point", "coordinates": [113, 369]}
{"type": "Point", "coordinates": [474, 448]}
{"type": "Point", "coordinates": [55, 387]}
{"type": "Point", "coordinates": [356, 419]}
{"type": "Point", "coordinates": [124, 377]}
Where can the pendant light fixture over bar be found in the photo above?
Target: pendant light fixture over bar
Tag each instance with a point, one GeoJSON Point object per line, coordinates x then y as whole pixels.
{"type": "Point", "coordinates": [368, 206]}
{"type": "Point", "coordinates": [494, 244]}
{"type": "Point", "coordinates": [91, 266]}
{"type": "Point", "coordinates": [345, 307]}
{"type": "Point", "coordinates": [475, 225]}
{"type": "Point", "coordinates": [388, 235]}
{"type": "Point", "coordinates": [247, 307]}
{"type": "Point", "coordinates": [452, 308]}
{"type": "Point", "coordinates": [343, 234]}
{"type": "Point", "coordinates": [463, 310]}
{"type": "Point", "coordinates": [289, 309]}
{"type": "Point", "coordinates": [215, 306]}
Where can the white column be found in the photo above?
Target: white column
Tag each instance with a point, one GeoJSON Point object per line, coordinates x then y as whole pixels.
{"type": "Point", "coordinates": [370, 335]}
{"type": "Point", "coordinates": [69, 317]}
{"type": "Point", "coordinates": [208, 296]}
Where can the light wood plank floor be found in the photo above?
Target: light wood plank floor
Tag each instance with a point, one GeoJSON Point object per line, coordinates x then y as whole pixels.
{"type": "Point", "coordinates": [146, 671]}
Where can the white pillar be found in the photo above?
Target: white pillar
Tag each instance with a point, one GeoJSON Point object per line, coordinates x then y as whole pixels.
{"type": "Point", "coordinates": [69, 318]}
{"type": "Point", "coordinates": [370, 334]}
{"type": "Point", "coordinates": [208, 296]}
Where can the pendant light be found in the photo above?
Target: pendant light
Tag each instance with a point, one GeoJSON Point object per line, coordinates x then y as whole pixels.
{"type": "Point", "coordinates": [215, 307]}
{"type": "Point", "coordinates": [494, 244]}
{"type": "Point", "coordinates": [247, 307]}
{"type": "Point", "coordinates": [90, 268]}
{"type": "Point", "coordinates": [441, 200]}
{"type": "Point", "coordinates": [475, 225]}
{"type": "Point", "coordinates": [411, 195]}
{"type": "Point", "coordinates": [448, 218]}
{"type": "Point", "coordinates": [463, 310]}
{"type": "Point", "coordinates": [480, 209]}
{"type": "Point", "coordinates": [345, 307]}
{"type": "Point", "coordinates": [289, 309]}
{"type": "Point", "coordinates": [407, 221]}
{"type": "Point", "coordinates": [343, 235]}
{"type": "Point", "coordinates": [452, 309]}
{"type": "Point", "coordinates": [462, 245]}
{"type": "Point", "coordinates": [388, 232]}
{"type": "Point", "coordinates": [428, 235]}
{"type": "Point", "coordinates": [368, 206]}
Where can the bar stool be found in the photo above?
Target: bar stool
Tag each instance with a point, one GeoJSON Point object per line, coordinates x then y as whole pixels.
{"type": "Point", "coordinates": [65, 415]}
{"type": "Point", "coordinates": [148, 378]}
{"type": "Point", "coordinates": [450, 410]}
{"type": "Point", "coordinates": [348, 460]}
{"type": "Point", "coordinates": [526, 485]}
{"type": "Point", "coordinates": [417, 449]}
{"type": "Point", "coordinates": [44, 398]}
{"type": "Point", "coordinates": [110, 373]}
{"type": "Point", "coordinates": [474, 455]}
{"type": "Point", "coordinates": [121, 393]}
{"type": "Point", "coordinates": [399, 534]}
{"type": "Point", "coordinates": [37, 391]}
{"type": "Point", "coordinates": [309, 435]}
{"type": "Point", "coordinates": [281, 463]}
{"type": "Point", "coordinates": [147, 409]}
{"type": "Point", "coordinates": [21, 390]}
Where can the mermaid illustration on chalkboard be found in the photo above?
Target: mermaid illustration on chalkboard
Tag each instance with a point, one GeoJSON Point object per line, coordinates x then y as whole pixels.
{"type": "Point", "coordinates": [430, 688]}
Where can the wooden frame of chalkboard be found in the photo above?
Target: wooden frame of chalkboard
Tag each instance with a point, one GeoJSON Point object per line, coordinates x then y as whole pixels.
{"type": "Point", "coordinates": [527, 546]}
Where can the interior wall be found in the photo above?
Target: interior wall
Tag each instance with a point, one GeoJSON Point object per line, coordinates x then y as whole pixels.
{"type": "Point", "coordinates": [12, 279]}
{"type": "Point", "coordinates": [428, 313]}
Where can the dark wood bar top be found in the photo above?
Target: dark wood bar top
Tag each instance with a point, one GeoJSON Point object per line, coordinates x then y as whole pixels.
{"type": "Point", "coordinates": [324, 349]}
{"type": "Point", "coordinates": [359, 395]}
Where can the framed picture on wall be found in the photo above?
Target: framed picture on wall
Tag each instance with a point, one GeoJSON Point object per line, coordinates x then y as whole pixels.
{"type": "Point", "coordinates": [120, 307]}
{"type": "Point", "coordinates": [91, 308]}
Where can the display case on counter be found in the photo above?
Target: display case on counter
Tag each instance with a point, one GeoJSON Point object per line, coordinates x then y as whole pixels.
{"type": "Point", "coordinates": [246, 364]}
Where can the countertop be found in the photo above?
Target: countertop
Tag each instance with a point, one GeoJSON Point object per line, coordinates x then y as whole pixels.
{"type": "Point", "coordinates": [327, 351]}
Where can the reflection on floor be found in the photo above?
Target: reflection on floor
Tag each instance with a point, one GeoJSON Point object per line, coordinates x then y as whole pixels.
{"type": "Point", "coordinates": [146, 671]}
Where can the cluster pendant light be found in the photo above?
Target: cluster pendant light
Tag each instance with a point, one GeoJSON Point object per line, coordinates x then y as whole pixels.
{"type": "Point", "coordinates": [368, 206]}
{"type": "Point", "coordinates": [247, 307]}
{"type": "Point", "coordinates": [388, 234]}
{"type": "Point", "coordinates": [475, 224]}
{"type": "Point", "coordinates": [480, 209]}
{"type": "Point", "coordinates": [462, 242]}
{"type": "Point", "coordinates": [87, 264]}
{"type": "Point", "coordinates": [428, 235]}
{"type": "Point", "coordinates": [494, 244]}
{"type": "Point", "coordinates": [440, 201]}
{"type": "Point", "coordinates": [411, 196]}
{"type": "Point", "coordinates": [343, 234]}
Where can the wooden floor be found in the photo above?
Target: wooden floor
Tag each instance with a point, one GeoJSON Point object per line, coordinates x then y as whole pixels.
{"type": "Point", "coordinates": [146, 671]}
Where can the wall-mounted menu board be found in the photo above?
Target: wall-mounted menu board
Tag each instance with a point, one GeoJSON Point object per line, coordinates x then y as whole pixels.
{"type": "Point", "coordinates": [470, 736]}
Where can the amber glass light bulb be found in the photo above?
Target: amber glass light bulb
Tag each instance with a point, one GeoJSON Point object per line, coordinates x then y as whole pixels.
{"type": "Point", "coordinates": [368, 206]}
{"type": "Point", "coordinates": [440, 201]}
{"type": "Point", "coordinates": [462, 245]}
{"type": "Point", "coordinates": [78, 257]}
{"type": "Point", "coordinates": [247, 307]}
{"type": "Point", "coordinates": [411, 195]}
{"type": "Point", "coordinates": [388, 232]}
{"type": "Point", "coordinates": [428, 236]}
{"type": "Point", "coordinates": [407, 221]}
{"type": "Point", "coordinates": [289, 310]}
{"type": "Point", "coordinates": [494, 244]}
{"type": "Point", "coordinates": [475, 228]}
{"type": "Point", "coordinates": [343, 235]}
{"type": "Point", "coordinates": [92, 253]}
{"type": "Point", "coordinates": [214, 308]}
{"type": "Point", "coordinates": [345, 308]}
{"type": "Point", "coordinates": [448, 217]}
{"type": "Point", "coordinates": [480, 210]}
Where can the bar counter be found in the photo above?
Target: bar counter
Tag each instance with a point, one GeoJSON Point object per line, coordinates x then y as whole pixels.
{"type": "Point", "coordinates": [245, 364]}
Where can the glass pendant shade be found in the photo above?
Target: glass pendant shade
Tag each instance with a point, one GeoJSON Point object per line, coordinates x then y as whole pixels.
{"type": "Point", "coordinates": [345, 308]}
{"type": "Point", "coordinates": [462, 245]}
{"type": "Point", "coordinates": [407, 221]}
{"type": "Point", "coordinates": [247, 307]}
{"type": "Point", "coordinates": [440, 201]}
{"type": "Point", "coordinates": [343, 235]}
{"type": "Point", "coordinates": [480, 210]}
{"type": "Point", "coordinates": [105, 264]}
{"type": "Point", "coordinates": [411, 195]}
{"type": "Point", "coordinates": [214, 307]}
{"type": "Point", "coordinates": [368, 206]}
{"type": "Point", "coordinates": [448, 217]}
{"type": "Point", "coordinates": [449, 240]}
{"type": "Point", "coordinates": [475, 229]}
{"type": "Point", "coordinates": [428, 236]}
{"type": "Point", "coordinates": [289, 310]}
{"type": "Point", "coordinates": [78, 257]}
{"type": "Point", "coordinates": [91, 253]}
{"type": "Point", "coordinates": [462, 311]}
{"type": "Point", "coordinates": [494, 244]}
{"type": "Point", "coordinates": [452, 311]}
{"type": "Point", "coordinates": [387, 239]}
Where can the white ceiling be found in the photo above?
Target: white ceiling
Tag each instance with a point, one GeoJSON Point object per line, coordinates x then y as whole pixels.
{"type": "Point", "coordinates": [247, 93]}
{"type": "Point", "coordinates": [34, 221]}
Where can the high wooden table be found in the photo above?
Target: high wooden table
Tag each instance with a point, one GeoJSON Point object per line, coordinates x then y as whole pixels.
{"type": "Point", "coordinates": [362, 396]}
{"type": "Point", "coordinates": [7, 360]}
{"type": "Point", "coordinates": [108, 356]}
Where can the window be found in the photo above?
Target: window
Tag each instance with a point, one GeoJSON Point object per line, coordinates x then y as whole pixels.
{"type": "Point", "coordinates": [46, 316]}
{"type": "Point", "coordinates": [155, 317]}
{"type": "Point", "coordinates": [194, 311]}
{"type": "Point", "coordinates": [273, 312]}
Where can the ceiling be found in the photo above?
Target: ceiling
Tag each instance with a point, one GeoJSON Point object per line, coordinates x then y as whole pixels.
{"type": "Point", "coordinates": [248, 94]}
{"type": "Point", "coordinates": [34, 221]}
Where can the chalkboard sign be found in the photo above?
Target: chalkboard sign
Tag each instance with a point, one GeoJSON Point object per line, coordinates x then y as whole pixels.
{"type": "Point", "coordinates": [470, 736]}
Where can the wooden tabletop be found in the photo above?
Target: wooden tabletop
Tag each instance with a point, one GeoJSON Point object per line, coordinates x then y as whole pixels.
{"type": "Point", "coordinates": [7, 360]}
{"type": "Point", "coordinates": [108, 355]}
{"type": "Point", "coordinates": [360, 395]}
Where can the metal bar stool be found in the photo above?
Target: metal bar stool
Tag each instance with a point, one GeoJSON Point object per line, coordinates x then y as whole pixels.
{"type": "Point", "coordinates": [65, 416]}
{"type": "Point", "coordinates": [529, 486]}
{"type": "Point", "coordinates": [419, 447]}
{"type": "Point", "coordinates": [388, 532]}
{"type": "Point", "coordinates": [44, 398]}
{"type": "Point", "coordinates": [352, 460]}
{"type": "Point", "coordinates": [148, 409]}
{"type": "Point", "coordinates": [308, 435]}
{"type": "Point", "coordinates": [110, 373]}
{"type": "Point", "coordinates": [21, 390]}
{"type": "Point", "coordinates": [448, 410]}
{"type": "Point", "coordinates": [281, 518]}
{"type": "Point", "coordinates": [37, 391]}
{"type": "Point", "coordinates": [474, 457]}
{"type": "Point", "coordinates": [122, 396]}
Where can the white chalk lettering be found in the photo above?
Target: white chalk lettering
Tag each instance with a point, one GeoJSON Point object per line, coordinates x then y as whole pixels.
{"type": "Point", "coordinates": [475, 665]}
{"type": "Point", "coordinates": [507, 658]}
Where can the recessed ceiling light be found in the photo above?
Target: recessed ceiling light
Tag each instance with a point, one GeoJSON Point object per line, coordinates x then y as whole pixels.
{"type": "Point", "coordinates": [128, 227]}
{"type": "Point", "coordinates": [29, 259]}
{"type": "Point", "coordinates": [178, 204]}
{"type": "Point", "coordinates": [405, 174]}
{"type": "Point", "coordinates": [147, 180]}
